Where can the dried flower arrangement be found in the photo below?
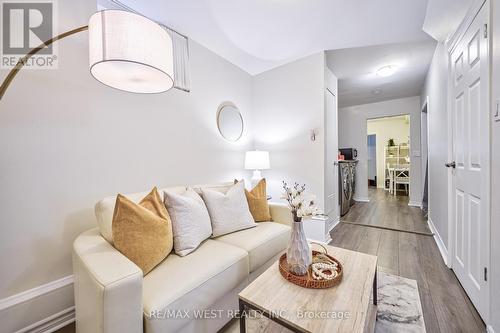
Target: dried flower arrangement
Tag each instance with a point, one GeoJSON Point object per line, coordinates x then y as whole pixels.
{"type": "Point", "coordinates": [300, 202]}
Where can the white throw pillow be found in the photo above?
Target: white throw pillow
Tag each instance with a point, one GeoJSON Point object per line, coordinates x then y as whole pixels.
{"type": "Point", "coordinates": [229, 212]}
{"type": "Point", "coordinates": [190, 220]}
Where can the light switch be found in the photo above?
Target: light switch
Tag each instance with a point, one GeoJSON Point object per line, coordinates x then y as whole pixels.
{"type": "Point", "coordinates": [496, 111]}
{"type": "Point", "coordinates": [416, 153]}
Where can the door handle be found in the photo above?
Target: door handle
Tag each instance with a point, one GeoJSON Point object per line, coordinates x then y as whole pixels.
{"type": "Point", "coordinates": [450, 165]}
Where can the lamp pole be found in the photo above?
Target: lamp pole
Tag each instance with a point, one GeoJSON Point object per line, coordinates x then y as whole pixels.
{"type": "Point", "coordinates": [20, 63]}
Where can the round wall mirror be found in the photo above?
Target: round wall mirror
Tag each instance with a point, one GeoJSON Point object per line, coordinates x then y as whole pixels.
{"type": "Point", "coordinates": [230, 122]}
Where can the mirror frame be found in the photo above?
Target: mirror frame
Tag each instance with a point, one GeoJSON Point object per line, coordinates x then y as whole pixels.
{"type": "Point", "coordinates": [219, 110]}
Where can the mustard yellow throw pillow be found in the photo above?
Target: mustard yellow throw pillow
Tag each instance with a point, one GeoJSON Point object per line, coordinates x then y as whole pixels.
{"type": "Point", "coordinates": [257, 202]}
{"type": "Point", "coordinates": [142, 232]}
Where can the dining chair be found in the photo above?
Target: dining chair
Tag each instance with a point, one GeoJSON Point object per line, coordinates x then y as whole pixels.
{"type": "Point", "coordinates": [401, 176]}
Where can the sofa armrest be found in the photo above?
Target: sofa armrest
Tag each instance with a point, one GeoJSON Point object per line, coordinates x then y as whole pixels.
{"type": "Point", "coordinates": [108, 287]}
{"type": "Point", "coordinates": [281, 213]}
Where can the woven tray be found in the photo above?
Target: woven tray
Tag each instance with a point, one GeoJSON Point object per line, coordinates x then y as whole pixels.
{"type": "Point", "coordinates": [307, 281]}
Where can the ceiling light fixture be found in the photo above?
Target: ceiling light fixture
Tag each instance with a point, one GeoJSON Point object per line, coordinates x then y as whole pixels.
{"type": "Point", "coordinates": [386, 71]}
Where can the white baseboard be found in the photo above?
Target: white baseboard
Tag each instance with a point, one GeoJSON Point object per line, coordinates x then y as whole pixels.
{"type": "Point", "coordinates": [415, 204]}
{"type": "Point", "coordinates": [439, 242]}
{"type": "Point", "coordinates": [490, 329]}
{"type": "Point", "coordinates": [51, 323]}
{"type": "Point", "coordinates": [361, 199]}
{"type": "Point", "coordinates": [45, 308]}
{"type": "Point", "coordinates": [335, 224]}
{"type": "Point", "coordinates": [35, 292]}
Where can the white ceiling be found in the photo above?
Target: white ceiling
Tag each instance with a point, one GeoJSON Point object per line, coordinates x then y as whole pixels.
{"type": "Point", "coordinates": [259, 35]}
{"type": "Point", "coordinates": [444, 16]}
{"type": "Point", "coordinates": [356, 70]}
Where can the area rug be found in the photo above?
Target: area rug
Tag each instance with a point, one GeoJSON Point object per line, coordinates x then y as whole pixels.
{"type": "Point", "coordinates": [399, 310]}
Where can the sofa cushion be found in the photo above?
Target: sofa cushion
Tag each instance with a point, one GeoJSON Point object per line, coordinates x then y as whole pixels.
{"type": "Point", "coordinates": [190, 220]}
{"type": "Point", "coordinates": [257, 202]}
{"type": "Point", "coordinates": [143, 232]}
{"type": "Point", "coordinates": [222, 187]}
{"type": "Point", "coordinates": [104, 209]}
{"type": "Point", "coordinates": [228, 212]}
{"type": "Point", "coordinates": [263, 242]}
{"type": "Point", "coordinates": [191, 283]}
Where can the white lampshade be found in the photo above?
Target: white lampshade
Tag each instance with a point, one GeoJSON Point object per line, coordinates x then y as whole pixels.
{"type": "Point", "coordinates": [257, 160]}
{"type": "Point", "coordinates": [129, 52]}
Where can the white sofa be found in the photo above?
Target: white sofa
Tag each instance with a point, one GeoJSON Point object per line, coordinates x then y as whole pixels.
{"type": "Point", "coordinates": [112, 296]}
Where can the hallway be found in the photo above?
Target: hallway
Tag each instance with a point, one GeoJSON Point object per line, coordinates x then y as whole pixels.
{"type": "Point", "coordinates": [387, 211]}
{"type": "Point", "coordinates": [446, 307]}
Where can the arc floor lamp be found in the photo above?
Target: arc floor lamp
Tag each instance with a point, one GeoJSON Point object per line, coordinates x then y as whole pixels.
{"type": "Point", "coordinates": [127, 51]}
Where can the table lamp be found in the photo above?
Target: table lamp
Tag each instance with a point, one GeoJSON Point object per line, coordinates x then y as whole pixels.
{"type": "Point", "coordinates": [257, 160]}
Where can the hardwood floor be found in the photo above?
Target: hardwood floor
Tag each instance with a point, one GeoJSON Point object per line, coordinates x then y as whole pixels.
{"type": "Point", "coordinates": [446, 307]}
{"type": "Point", "coordinates": [387, 211]}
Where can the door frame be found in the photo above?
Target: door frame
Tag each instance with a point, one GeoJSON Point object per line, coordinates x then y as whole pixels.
{"type": "Point", "coordinates": [425, 107]}
{"type": "Point", "coordinates": [412, 167]}
{"type": "Point", "coordinates": [367, 155]}
{"type": "Point", "coordinates": [451, 43]}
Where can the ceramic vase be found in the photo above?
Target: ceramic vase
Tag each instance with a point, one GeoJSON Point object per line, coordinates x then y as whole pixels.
{"type": "Point", "coordinates": [298, 252]}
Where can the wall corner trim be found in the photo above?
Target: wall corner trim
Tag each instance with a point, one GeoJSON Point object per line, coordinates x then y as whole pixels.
{"type": "Point", "coordinates": [35, 292]}
{"type": "Point", "coordinates": [335, 224]}
{"type": "Point", "coordinates": [439, 243]}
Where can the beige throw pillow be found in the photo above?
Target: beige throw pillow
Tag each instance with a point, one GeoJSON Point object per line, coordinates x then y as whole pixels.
{"type": "Point", "coordinates": [142, 232]}
{"type": "Point", "coordinates": [257, 202]}
{"type": "Point", "coordinates": [190, 220]}
{"type": "Point", "coordinates": [228, 212]}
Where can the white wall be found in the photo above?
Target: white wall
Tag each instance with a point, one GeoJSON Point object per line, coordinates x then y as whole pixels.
{"type": "Point", "coordinates": [397, 128]}
{"type": "Point", "coordinates": [435, 89]}
{"type": "Point", "coordinates": [495, 175]}
{"type": "Point", "coordinates": [353, 132]}
{"type": "Point", "coordinates": [288, 104]}
{"type": "Point", "coordinates": [67, 141]}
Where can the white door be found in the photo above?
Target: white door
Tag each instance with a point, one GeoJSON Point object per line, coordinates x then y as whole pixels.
{"type": "Point", "coordinates": [470, 123]}
{"type": "Point", "coordinates": [331, 165]}
{"type": "Point", "coordinates": [372, 157]}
